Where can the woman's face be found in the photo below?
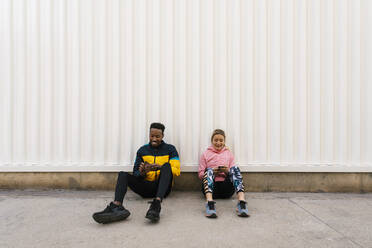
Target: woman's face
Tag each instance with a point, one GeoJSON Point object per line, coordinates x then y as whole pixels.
{"type": "Point", "coordinates": [218, 141]}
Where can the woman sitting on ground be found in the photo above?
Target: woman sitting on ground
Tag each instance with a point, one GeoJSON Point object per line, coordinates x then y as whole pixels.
{"type": "Point", "coordinates": [220, 175]}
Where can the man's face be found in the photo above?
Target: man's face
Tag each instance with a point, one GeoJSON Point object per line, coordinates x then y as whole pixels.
{"type": "Point", "coordinates": [156, 136]}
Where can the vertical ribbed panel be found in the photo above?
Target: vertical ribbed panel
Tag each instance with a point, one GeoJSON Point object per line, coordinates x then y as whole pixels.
{"type": "Point", "coordinates": [289, 81]}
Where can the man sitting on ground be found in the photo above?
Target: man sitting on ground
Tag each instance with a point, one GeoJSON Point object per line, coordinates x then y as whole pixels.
{"type": "Point", "coordinates": [156, 164]}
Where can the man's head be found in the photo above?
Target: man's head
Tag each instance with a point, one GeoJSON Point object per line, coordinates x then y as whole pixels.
{"type": "Point", "coordinates": [156, 134]}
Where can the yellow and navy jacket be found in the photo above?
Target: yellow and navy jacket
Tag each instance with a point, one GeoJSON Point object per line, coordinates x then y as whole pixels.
{"type": "Point", "coordinates": [161, 155]}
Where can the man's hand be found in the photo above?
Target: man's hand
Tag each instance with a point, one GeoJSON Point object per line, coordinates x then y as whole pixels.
{"type": "Point", "coordinates": [154, 167]}
{"type": "Point", "coordinates": [143, 169]}
{"type": "Point", "coordinates": [146, 167]}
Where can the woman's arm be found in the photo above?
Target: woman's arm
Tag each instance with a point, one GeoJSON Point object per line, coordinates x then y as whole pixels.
{"type": "Point", "coordinates": [202, 166]}
{"type": "Point", "coordinates": [231, 160]}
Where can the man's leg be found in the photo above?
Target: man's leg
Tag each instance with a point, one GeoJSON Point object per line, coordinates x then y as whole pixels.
{"type": "Point", "coordinates": [146, 189]}
{"type": "Point", "coordinates": [115, 211]}
{"type": "Point", "coordinates": [165, 182]}
{"type": "Point", "coordinates": [121, 187]}
{"type": "Point", "coordinates": [163, 189]}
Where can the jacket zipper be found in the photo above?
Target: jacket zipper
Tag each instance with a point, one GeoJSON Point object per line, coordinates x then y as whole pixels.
{"type": "Point", "coordinates": [156, 172]}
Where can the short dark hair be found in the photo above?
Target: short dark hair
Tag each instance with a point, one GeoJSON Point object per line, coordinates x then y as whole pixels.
{"type": "Point", "coordinates": [218, 131]}
{"type": "Point", "coordinates": [157, 125]}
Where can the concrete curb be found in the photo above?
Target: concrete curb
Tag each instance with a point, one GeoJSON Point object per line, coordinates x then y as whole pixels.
{"type": "Point", "coordinates": [254, 182]}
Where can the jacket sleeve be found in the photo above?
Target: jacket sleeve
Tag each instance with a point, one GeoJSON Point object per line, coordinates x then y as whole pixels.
{"type": "Point", "coordinates": [137, 163]}
{"type": "Point", "coordinates": [174, 161]}
{"type": "Point", "coordinates": [231, 159]}
{"type": "Point", "coordinates": [202, 166]}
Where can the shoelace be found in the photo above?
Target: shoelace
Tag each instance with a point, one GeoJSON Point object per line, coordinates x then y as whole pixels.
{"type": "Point", "coordinates": [242, 205]}
{"type": "Point", "coordinates": [211, 205]}
{"type": "Point", "coordinates": [154, 204]}
{"type": "Point", "coordinates": [112, 207]}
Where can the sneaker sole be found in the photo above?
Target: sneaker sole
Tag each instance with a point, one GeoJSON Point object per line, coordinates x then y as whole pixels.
{"type": "Point", "coordinates": [242, 214]}
{"type": "Point", "coordinates": [104, 219]}
{"type": "Point", "coordinates": [152, 218]}
{"type": "Point", "coordinates": [211, 216]}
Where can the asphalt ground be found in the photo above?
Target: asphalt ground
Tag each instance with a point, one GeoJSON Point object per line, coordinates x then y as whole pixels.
{"type": "Point", "coordinates": [62, 218]}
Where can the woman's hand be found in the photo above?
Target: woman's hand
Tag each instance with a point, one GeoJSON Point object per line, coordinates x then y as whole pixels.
{"type": "Point", "coordinates": [224, 169]}
{"type": "Point", "coordinates": [220, 169]}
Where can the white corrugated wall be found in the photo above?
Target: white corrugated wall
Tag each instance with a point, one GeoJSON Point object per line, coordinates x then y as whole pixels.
{"type": "Point", "coordinates": [289, 80]}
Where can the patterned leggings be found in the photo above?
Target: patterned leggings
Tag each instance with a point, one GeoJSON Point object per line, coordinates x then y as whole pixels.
{"type": "Point", "coordinates": [235, 178]}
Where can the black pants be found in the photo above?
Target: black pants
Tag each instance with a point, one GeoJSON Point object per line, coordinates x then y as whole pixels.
{"type": "Point", "coordinates": [147, 189]}
{"type": "Point", "coordinates": [222, 190]}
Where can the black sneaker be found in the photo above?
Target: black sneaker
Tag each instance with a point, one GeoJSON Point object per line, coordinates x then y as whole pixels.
{"type": "Point", "coordinates": [154, 211]}
{"type": "Point", "coordinates": [111, 213]}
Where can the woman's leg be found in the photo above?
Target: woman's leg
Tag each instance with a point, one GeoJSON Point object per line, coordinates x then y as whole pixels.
{"type": "Point", "coordinates": [208, 184]}
{"type": "Point", "coordinates": [208, 187]}
{"type": "Point", "coordinates": [237, 180]}
{"type": "Point", "coordinates": [223, 190]}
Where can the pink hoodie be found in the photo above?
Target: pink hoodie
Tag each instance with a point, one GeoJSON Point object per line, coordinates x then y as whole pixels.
{"type": "Point", "coordinates": [212, 158]}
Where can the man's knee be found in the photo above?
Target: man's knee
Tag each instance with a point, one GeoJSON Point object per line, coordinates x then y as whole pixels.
{"type": "Point", "coordinates": [122, 174]}
{"type": "Point", "coordinates": [166, 167]}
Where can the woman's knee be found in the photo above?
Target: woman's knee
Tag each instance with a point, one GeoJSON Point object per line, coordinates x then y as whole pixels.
{"type": "Point", "coordinates": [237, 179]}
{"type": "Point", "coordinates": [209, 173]}
{"type": "Point", "coordinates": [235, 170]}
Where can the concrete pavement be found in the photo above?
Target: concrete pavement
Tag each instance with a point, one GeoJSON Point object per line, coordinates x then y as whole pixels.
{"type": "Point", "coordinates": [62, 218]}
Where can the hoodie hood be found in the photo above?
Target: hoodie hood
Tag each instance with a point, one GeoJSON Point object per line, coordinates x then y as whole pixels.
{"type": "Point", "coordinates": [211, 148]}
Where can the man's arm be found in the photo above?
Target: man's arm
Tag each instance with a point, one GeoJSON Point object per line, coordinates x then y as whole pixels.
{"type": "Point", "coordinates": [174, 161]}
{"type": "Point", "coordinates": [137, 164]}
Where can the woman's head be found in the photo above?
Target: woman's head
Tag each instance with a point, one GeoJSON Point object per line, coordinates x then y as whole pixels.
{"type": "Point", "coordinates": [218, 139]}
